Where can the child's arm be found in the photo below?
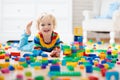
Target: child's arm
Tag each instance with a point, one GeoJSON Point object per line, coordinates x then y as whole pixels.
{"type": "Point", "coordinates": [25, 36]}
{"type": "Point", "coordinates": [56, 51]}
{"type": "Point", "coordinates": [37, 43]}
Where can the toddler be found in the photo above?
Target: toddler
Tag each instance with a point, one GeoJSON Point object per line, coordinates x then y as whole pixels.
{"type": "Point", "coordinates": [46, 39]}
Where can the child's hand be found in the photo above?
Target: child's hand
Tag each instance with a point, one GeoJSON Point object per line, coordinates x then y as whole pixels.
{"type": "Point", "coordinates": [55, 52]}
{"type": "Point", "coordinates": [28, 27]}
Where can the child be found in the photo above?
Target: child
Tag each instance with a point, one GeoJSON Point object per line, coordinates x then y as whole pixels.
{"type": "Point", "coordinates": [46, 39]}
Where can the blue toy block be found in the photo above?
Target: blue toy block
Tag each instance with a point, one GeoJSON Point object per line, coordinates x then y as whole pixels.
{"type": "Point", "coordinates": [55, 68]}
{"type": "Point", "coordinates": [11, 68]}
{"type": "Point", "coordinates": [37, 52]}
{"type": "Point", "coordinates": [113, 73]}
{"type": "Point", "coordinates": [89, 69]}
{"type": "Point", "coordinates": [44, 55]}
{"type": "Point", "coordinates": [63, 62]}
{"type": "Point", "coordinates": [26, 54]}
{"type": "Point", "coordinates": [103, 62]}
{"type": "Point", "coordinates": [78, 38]}
{"type": "Point", "coordinates": [22, 59]}
{"type": "Point", "coordinates": [7, 60]}
{"type": "Point", "coordinates": [81, 47]}
{"type": "Point", "coordinates": [50, 61]}
{"type": "Point", "coordinates": [28, 61]}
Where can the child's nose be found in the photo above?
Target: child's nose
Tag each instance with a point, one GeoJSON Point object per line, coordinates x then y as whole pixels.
{"type": "Point", "coordinates": [47, 26]}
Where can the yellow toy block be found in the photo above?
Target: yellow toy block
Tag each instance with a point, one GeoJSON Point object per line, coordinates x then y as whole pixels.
{"type": "Point", "coordinates": [44, 59]}
{"type": "Point", "coordinates": [67, 52]}
{"type": "Point", "coordinates": [4, 64]}
{"type": "Point", "coordinates": [21, 63]}
{"type": "Point", "coordinates": [78, 31]}
{"type": "Point", "coordinates": [0, 45]}
{"type": "Point", "coordinates": [84, 78]}
{"type": "Point", "coordinates": [87, 51]}
{"type": "Point", "coordinates": [82, 60]}
{"type": "Point", "coordinates": [80, 54]}
{"type": "Point", "coordinates": [114, 52]}
{"type": "Point", "coordinates": [2, 77]}
{"type": "Point", "coordinates": [74, 64]}
{"type": "Point", "coordinates": [37, 67]}
{"type": "Point", "coordinates": [106, 66]}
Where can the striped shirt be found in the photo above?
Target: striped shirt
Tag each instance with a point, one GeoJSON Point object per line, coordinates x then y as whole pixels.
{"type": "Point", "coordinates": [39, 42]}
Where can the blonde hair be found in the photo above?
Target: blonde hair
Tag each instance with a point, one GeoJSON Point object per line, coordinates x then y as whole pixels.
{"type": "Point", "coordinates": [46, 15]}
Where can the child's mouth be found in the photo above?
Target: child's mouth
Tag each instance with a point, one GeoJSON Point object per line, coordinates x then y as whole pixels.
{"type": "Point", "coordinates": [46, 30]}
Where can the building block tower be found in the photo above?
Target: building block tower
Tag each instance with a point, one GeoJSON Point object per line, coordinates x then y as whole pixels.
{"type": "Point", "coordinates": [78, 37]}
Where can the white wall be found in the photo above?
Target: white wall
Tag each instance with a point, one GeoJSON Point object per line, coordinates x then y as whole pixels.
{"type": "Point", "coordinates": [78, 7]}
{"type": "Point", "coordinates": [16, 13]}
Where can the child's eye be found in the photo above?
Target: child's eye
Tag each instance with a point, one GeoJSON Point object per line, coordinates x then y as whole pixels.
{"type": "Point", "coordinates": [49, 24]}
{"type": "Point", "coordinates": [42, 24]}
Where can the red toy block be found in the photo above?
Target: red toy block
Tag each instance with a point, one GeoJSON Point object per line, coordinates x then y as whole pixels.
{"type": "Point", "coordinates": [103, 71]}
{"type": "Point", "coordinates": [84, 53]}
{"type": "Point", "coordinates": [15, 53]}
{"type": "Point", "coordinates": [27, 58]}
{"type": "Point", "coordinates": [2, 56]}
{"type": "Point", "coordinates": [93, 78]}
{"type": "Point", "coordinates": [17, 59]}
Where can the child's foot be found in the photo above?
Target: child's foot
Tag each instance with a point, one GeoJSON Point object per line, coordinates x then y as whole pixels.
{"type": "Point", "coordinates": [28, 28]}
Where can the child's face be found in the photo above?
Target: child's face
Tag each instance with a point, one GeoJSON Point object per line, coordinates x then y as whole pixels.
{"type": "Point", "coordinates": [46, 26]}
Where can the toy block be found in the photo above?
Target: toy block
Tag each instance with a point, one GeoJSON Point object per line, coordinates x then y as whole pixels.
{"type": "Point", "coordinates": [82, 67]}
{"type": "Point", "coordinates": [89, 69]}
{"type": "Point", "coordinates": [27, 58]}
{"type": "Point", "coordinates": [55, 68]}
{"type": "Point", "coordinates": [2, 56]}
{"type": "Point", "coordinates": [0, 45]}
{"type": "Point", "coordinates": [28, 74]}
{"type": "Point", "coordinates": [93, 78]}
{"type": "Point", "coordinates": [78, 31]}
{"type": "Point", "coordinates": [15, 53]}
{"type": "Point", "coordinates": [64, 78]}
{"type": "Point", "coordinates": [63, 62]}
{"type": "Point", "coordinates": [2, 77]}
{"type": "Point", "coordinates": [11, 68]}
{"type": "Point", "coordinates": [20, 68]}
{"type": "Point", "coordinates": [84, 78]}
{"type": "Point", "coordinates": [70, 68]}
{"type": "Point", "coordinates": [37, 68]}
{"type": "Point", "coordinates": [78, 38]}
{"type": "Point", "coordinates": [19, 77]}
{"type": "Point", "coordinates": [103, 71]}
{"type": "Point", "coordinates": [114, 74]}
{"type": "Point", "coordinates": [39, 78]}
{"type": "Point", "coordinates": [5, 70]}
{"type": "Point", "coordinates": [57, 73]}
